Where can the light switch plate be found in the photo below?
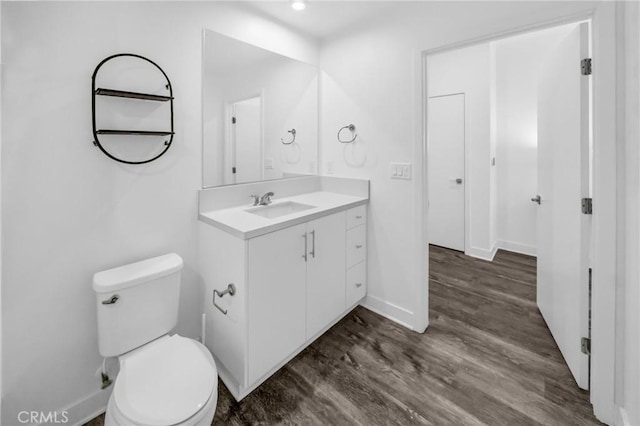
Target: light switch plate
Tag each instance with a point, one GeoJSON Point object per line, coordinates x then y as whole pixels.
{"type": "Point", "coordinates": [400, 171]}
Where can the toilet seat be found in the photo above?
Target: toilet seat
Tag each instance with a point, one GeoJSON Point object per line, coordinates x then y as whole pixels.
{"type": "Point", "coordinates": [165, 382]}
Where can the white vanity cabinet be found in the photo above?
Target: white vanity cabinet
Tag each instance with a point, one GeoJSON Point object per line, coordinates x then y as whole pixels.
{"type": "Point", "coordinates": [291, 285]}
{"type": "Point", "coordinates": [275, 298]}
{"type": "Point", "coordinates": [356, 283]}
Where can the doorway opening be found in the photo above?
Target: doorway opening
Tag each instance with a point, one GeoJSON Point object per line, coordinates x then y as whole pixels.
{"type": "Point", "coordinates": [508, 156]}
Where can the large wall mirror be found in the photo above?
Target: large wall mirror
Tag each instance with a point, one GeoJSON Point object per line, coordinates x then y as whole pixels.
{"type": "Point", "coordinates": [260, 113]}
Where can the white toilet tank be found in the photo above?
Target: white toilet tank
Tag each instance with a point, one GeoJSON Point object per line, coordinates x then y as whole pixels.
{"type": "Point", "coordinates": [137, 303]}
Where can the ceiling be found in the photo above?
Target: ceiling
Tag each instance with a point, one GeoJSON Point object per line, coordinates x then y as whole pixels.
{"type": "Point", "coordinates": [225, 55]}
{"type": "Point", "coordinates": [323, 18]}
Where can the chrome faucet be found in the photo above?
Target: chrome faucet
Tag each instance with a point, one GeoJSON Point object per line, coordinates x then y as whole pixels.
{"type": "Point", "coordinates": [265, 200]}
{"type": "Point", "coordinates": [256, 199]}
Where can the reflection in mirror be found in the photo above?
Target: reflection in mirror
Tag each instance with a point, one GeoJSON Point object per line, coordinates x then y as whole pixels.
{"type": "Point", "coordinates": [252, 101]}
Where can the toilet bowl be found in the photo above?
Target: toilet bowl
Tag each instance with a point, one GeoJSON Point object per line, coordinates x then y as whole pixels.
{"type": "Point", "coordinates": [170, 381]}
{"type": "Point", "coordinates": [164, 379]}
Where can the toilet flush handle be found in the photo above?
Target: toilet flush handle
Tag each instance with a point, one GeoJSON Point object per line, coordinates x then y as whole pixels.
{"type": "Point", "coordinates": [113, 299]}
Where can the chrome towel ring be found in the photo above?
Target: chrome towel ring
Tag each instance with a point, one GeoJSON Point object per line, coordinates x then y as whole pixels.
{"type": "Point", "coordinates": [293, 133]}
{"type": "Point", "coordinates": [352, 128]}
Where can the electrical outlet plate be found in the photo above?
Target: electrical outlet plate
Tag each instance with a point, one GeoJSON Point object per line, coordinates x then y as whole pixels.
{"type": "Point", "coordinates": [330, 167]}
{"type": "Point", "coordinates": [400, 171]}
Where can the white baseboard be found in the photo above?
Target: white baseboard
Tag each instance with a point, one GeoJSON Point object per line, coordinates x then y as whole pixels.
{"type": "Point", "coordinates": [481, 253]}
{"type": "Point", "coordinates": [512, 246]}
{"type": "Point", "coordinates": [86, 409]}
{"type": "Point", "coordinates": [527, 249]}
{"type": "Point", "coordinates": [395, 313]}
{"type": "Point", "coordinates": [622, 418]}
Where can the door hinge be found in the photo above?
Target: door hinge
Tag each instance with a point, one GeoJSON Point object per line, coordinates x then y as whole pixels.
{"type": "Point", "coordinates": [585, 66]}
{"type": "Point", "coordinates": [587, 206]}
{"type": "Point", "coordinates": [233, 120]}
{"type": "Point", "coordinates": [233, 170]}
{"type": "Point", "coordinates": [585, 345]}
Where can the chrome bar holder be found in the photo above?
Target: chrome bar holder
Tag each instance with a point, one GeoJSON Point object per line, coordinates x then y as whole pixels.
{"type": "Point", "coordinates": [231, 290]}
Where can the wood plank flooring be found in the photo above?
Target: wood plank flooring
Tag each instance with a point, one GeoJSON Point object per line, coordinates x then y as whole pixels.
{"type": "Point", "coordinates": [487, 358]}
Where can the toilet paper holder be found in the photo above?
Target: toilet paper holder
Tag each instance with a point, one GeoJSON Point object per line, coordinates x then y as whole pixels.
{"type": "Point", "coordinates": [231, 290]}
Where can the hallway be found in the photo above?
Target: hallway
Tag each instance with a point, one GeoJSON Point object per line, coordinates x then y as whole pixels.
{"type": "Point", "coordinates": [504, 355]}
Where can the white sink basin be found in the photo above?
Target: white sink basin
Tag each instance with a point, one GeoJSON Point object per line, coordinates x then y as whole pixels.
{"type": "Point", "coordinates": [280, 209]}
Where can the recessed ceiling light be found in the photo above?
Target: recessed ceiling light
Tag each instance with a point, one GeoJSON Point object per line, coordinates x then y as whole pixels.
{"type": "Point", "coordinates": [298, 4]}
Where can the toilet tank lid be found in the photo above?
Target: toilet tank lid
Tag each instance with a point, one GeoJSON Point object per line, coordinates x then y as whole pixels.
{"type": "Point", "coordinates": [136, 273]}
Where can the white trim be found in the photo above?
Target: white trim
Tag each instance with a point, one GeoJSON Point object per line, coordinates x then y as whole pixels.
{"type": "Point", "coordinates": [622, 418]}
{"type": "Point", "coordinates": [571, 19]}
{"type": "Point", "coordinates": [87, 408]}
{"type": "Point", "coordinates": [420, 319]}
{"type": "Point", "coordinates": [605, 196]}
{"type": "Point", "coordinates": [515, 247]}
{"type": "Point", "coordinates": [481, 253]}
{"type": "Point", "coordinates": [395, 313]}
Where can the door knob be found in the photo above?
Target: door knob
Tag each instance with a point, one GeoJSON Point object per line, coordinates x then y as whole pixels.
{"type": "Point", "coordinates": [536, 199]}
{"type": "Point", "coordinates": [459, 181]}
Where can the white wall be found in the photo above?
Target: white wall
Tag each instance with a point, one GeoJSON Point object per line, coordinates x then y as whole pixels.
{"type": "Point", "coordinates": [468, 71]}
{"type": "Point", "coordinates": [213, 113]}
{"type": "Point", "coordinates": [371, 78]}
{"type": "Point", "coordinates": [518, 60]}
{"type": "Point", "coordinates": [68, 210]}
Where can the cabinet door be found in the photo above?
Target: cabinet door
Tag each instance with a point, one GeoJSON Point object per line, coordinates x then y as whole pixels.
{"type": "Point", "coordinates": [276, 298]}
{"type": "Point", "coordinates": [325, 271]}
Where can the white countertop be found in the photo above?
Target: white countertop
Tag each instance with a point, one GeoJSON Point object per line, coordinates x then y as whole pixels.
{"type": "Point", "coordinates": [242, 224]}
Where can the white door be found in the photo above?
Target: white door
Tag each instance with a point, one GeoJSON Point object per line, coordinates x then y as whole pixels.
{"type": "Point", "coordinates": [247, 140]}
{"type": "Point", "coordinates": [445, 170]}
{"type": "Point", "coordinates": [325, 271]}
{"type": "Point", "coordinates": [563, 180]}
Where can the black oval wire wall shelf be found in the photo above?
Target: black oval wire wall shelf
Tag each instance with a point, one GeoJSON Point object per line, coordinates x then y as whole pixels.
{"type": "Point", "coordinates": [129, 95]}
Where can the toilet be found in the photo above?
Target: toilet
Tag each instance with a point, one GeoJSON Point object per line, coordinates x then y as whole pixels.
{"type": "Point", "coordinates": [164, 379]}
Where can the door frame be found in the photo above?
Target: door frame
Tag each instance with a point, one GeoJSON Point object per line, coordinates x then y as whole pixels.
{"type": "Point", "coordinates": [606, 232]}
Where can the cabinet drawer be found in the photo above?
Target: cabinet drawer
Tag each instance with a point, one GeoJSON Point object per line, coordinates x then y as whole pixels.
{"type": "Point", "coordinates": [356, 216]}
{"type": "Point", "coordinates": [356, 283]}
{"type": "Point", "coordinates": [356, 245]}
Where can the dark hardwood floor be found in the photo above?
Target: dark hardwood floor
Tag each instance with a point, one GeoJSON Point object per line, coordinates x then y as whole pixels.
{"type": "Point", "coordinates": [487, 358]}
